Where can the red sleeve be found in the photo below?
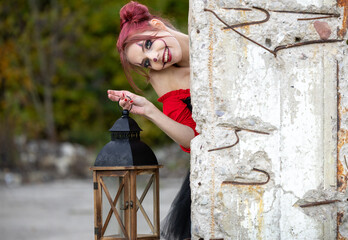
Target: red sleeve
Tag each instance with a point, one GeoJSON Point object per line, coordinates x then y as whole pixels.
{"type": "Point", "coordinates": [177, 110]}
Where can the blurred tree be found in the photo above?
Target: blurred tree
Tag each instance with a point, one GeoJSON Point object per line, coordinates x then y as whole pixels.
{"type": "Point", "coordinates": [58, 58]}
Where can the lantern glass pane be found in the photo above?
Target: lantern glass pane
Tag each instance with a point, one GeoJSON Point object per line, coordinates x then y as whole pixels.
{"type": "Point", "coordinates": [113, 227]}
{"type": "Point", "coordinates": [145, 194]}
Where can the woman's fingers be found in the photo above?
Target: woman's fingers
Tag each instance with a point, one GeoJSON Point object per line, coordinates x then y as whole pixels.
{"type": "Point", "coordinates": [117, 95]}
{"type": "Point", "coordinates": [125, 104]}
{"type": "Point", "coordinates": [124, 98]}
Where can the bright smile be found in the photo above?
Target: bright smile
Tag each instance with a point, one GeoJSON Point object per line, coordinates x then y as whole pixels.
{"type": "Point", "coordinates": [167, 55]}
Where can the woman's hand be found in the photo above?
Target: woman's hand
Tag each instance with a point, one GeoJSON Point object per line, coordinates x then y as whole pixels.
{"type": "Point", "coordinates": [127, 100]}
{"type": "Point", "coordinates": [180, 133]}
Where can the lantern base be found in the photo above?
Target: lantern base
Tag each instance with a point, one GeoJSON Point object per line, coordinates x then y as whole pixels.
{"type": "Point", "coordinates": [125, 205]}
{"type": "Point", "coordinates": [140, 236]}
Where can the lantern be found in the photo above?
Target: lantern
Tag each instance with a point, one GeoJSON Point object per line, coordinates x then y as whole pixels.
{"type": "Point", "coordinates": [123, 164]}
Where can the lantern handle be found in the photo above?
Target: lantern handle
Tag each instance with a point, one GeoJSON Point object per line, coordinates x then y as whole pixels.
{"type": "Point", "coordinates": [129, 100]}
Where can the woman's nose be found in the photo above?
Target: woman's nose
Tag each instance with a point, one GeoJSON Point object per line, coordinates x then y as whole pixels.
{"type": "Point", "coordinates": [153, 55]}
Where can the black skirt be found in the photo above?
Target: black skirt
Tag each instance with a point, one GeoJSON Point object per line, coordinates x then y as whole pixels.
{"type": "Point", "coordinates": [177, 224]}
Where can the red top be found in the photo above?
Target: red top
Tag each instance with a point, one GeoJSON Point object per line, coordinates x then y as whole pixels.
{"type": "Point", "coordinates": [176, 109]}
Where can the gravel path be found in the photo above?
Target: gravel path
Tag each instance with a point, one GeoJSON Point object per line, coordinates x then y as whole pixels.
{"type": "Point", "coordinates": [61, 210]}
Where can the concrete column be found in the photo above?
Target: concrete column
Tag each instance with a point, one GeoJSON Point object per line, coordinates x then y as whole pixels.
{"type": "Point", "coordinates": [270, 98]}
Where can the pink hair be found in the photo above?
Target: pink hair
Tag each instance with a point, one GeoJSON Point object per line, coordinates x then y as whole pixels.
{"type": "Point", "coordinates": [134, 18]}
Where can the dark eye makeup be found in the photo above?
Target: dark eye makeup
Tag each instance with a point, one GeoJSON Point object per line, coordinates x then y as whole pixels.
{"type": "Point", "coordinates": [147, 44]}
{"type": "Point", "coordinates": [146, 63]}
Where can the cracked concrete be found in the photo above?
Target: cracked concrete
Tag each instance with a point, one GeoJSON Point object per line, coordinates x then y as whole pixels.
{"type": "Point", "coordinates": [240, 89]}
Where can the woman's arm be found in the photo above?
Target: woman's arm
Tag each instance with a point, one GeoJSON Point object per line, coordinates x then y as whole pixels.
{"type": "Point", "coordinates": [180, 133]}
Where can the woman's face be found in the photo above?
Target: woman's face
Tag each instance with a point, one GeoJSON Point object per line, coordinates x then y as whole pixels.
{"type": "Point", "coordinates": [157, 54]}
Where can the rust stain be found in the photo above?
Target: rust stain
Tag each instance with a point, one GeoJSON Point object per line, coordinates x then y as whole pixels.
{"type": "Point", "coordinates": [257, 192]}
{"type": "Point", "coordinates": [342, 134]}
{"type": "Point", "coordinates": [260, 219]}
{"type": "Point", "coordinates": [342, 137]}
{"type": "Point", "coordinates": [252, 194]}
{"type": "Point", "coordinates": [246, 29]}
{"type": "Point", "coordinates": [342, 177]}
{"type": "Point", "coordinates": [343, 3]}
{"type": "Point", "coordinates": [339, 221]}
{"type": "Point", "coordinates": [212, 107]}
{"type": "Point", "coordinates": [245, 45]}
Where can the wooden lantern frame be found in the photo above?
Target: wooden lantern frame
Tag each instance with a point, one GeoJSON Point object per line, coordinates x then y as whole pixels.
{"type": "Point", "coordinates": [128, 183]}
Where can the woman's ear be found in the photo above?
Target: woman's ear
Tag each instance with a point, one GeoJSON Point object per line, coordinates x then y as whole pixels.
{"type": "Point", "coordinates": [156, 23]}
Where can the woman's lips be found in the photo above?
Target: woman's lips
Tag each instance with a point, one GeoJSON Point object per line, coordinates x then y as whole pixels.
{"type": "Point", "coordinates": [167, 56]}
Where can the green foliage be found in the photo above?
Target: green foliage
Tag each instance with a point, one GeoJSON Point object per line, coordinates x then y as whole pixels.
{"type": "Point", "coordinates": [58, 58]}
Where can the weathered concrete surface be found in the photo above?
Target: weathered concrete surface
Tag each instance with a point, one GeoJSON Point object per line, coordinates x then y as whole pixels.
{"type": "Point", "coordinates": [289, 112]}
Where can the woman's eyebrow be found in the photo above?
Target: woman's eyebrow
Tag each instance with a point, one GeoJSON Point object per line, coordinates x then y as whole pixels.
{"type": "Point", "coordinates": [141, 45]}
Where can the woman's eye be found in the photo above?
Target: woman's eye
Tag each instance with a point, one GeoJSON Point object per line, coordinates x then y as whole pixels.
{"type": "Point", "coordinates": [147, 63]}
{"type": "Point", "coordinates": [148, 44]}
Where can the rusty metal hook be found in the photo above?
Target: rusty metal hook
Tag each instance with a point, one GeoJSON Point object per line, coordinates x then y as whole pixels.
{"type": "Point", "coordinates": [281, 47]}
{"type": "Point", "coordinates": [313, 204]}
{"type": "Point", "coordinates": [278, 48]}
{"type": "Point", "coordinates": [254, 22]}
{"type": "Point", "coordinates": [234, 144]}
{"type": "Point", "coordinates": [250, 183]}
{"type": "Point", "coordinates": [235, 132]}
{"type": "Point", "coordinates": [228, 26]}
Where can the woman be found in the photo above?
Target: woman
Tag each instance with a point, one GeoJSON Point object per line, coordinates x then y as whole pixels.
{"type": "Point", "coordinates": [149, 42]}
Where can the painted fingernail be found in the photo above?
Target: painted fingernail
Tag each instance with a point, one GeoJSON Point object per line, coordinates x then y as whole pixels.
{"type": "Point", "coordinates": [125, 99]}
{"type": "Point", "coordinates": [131, 101]}
{"type": "Point", "coordinates": [123, 94]}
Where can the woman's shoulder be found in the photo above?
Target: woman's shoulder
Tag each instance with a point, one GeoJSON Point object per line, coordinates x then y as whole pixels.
{"type": "Point", "coordinates": [175, 95]}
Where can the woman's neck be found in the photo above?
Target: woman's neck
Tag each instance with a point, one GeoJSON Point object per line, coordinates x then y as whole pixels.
{"type": "Point", "coordinates": [170, 79]}
{"type": "Point", "coordinates": [183, 40]}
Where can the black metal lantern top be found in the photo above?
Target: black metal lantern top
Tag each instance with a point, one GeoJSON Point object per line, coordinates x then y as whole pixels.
{"type": "Point", "coordinates": [125, 147]}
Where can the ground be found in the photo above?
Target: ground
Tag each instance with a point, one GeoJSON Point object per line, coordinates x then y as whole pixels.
{"type": "Point", "coordinates": [60, 210]}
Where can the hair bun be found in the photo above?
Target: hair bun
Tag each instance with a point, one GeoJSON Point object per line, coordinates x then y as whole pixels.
{"type": "Point", "coordinates": [134, 12]}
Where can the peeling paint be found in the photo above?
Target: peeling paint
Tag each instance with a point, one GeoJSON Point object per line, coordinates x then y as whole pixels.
{"type": "Point", "coordinates": [343, 3]}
